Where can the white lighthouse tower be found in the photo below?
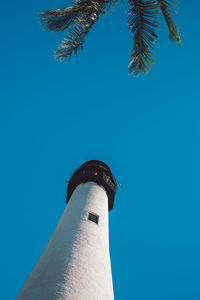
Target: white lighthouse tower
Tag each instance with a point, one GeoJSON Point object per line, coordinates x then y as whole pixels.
{"type": "Point", "coordinates": [75, 264]}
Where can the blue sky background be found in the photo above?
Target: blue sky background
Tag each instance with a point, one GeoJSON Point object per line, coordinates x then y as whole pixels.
{"type": "Point", "coordinates": [55, 116]}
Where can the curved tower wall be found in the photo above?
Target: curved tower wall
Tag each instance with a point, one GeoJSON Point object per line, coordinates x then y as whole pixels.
{"type": "Point", "coordinates": [75, 264]}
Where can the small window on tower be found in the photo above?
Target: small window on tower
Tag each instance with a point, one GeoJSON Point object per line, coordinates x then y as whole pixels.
{"type": "Point", "coordinates": [93, 217]}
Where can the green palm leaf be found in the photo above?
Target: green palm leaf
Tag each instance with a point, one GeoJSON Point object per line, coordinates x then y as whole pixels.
{"type": "Point", "coordinates": [78, 20]}
{"type": "Point", "coordinates": [168, 8]}
{"type": "Point", "coordinates": [143, 24]}
{"type": "Point", "coordinates": [60, 19]}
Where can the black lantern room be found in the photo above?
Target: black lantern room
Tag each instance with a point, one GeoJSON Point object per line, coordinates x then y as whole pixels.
{"type": "Point", "coordinates": [95, 171]}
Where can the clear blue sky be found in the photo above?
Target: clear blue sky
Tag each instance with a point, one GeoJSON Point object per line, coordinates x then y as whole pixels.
{"type": "Point", "coordinates": [55, 116]}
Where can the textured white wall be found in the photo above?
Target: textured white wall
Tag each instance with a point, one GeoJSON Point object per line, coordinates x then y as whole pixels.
{"type": "Point", "coordinates": [75, 264]}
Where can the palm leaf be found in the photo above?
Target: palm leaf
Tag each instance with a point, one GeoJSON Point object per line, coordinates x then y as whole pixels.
{"type": "Point", "coordinates": [79, 30]}
{"type": "Point", "coordinates": [78, 19]}
{"type": "Point", "coordinates": [143, 24]}
{"type": "Point", "coordinates": [60, 19]}
{"type": "Point", "coordinates": [168, 8]}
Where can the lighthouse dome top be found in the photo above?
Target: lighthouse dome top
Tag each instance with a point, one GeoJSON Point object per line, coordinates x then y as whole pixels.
{"type": "Point", "coordinates": [98, 163]}
{"type": "Point", "coordinates": [95, 171]}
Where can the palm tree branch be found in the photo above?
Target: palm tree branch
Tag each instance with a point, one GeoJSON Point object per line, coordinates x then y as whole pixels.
{"type": "Point", "coordinates": [79, 28]}
{"type": "Point", "coordinates": [60, 19]}
{"type": "Point", "coordinates": [168, 8]}
{"type": "Point", "coordinates": [77, 19]}
{"type": "Point", "coordinates": [143, 24]}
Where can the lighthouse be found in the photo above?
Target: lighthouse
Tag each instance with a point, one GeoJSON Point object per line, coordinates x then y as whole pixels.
{"type": "Point", "coordinates": [75, 265]}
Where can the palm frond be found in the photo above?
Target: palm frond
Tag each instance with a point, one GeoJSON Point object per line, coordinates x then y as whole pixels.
{"type": "Point", "coordinates": [168, 8]}
{"type": "Point", "coordinates": [143, 24]}
{"type": "Point", "coordinates": [79, 30]}
{"type": "Point", "coordinates": [60, 19]}
{"type": "Point", "coordinates": [77, 19]}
